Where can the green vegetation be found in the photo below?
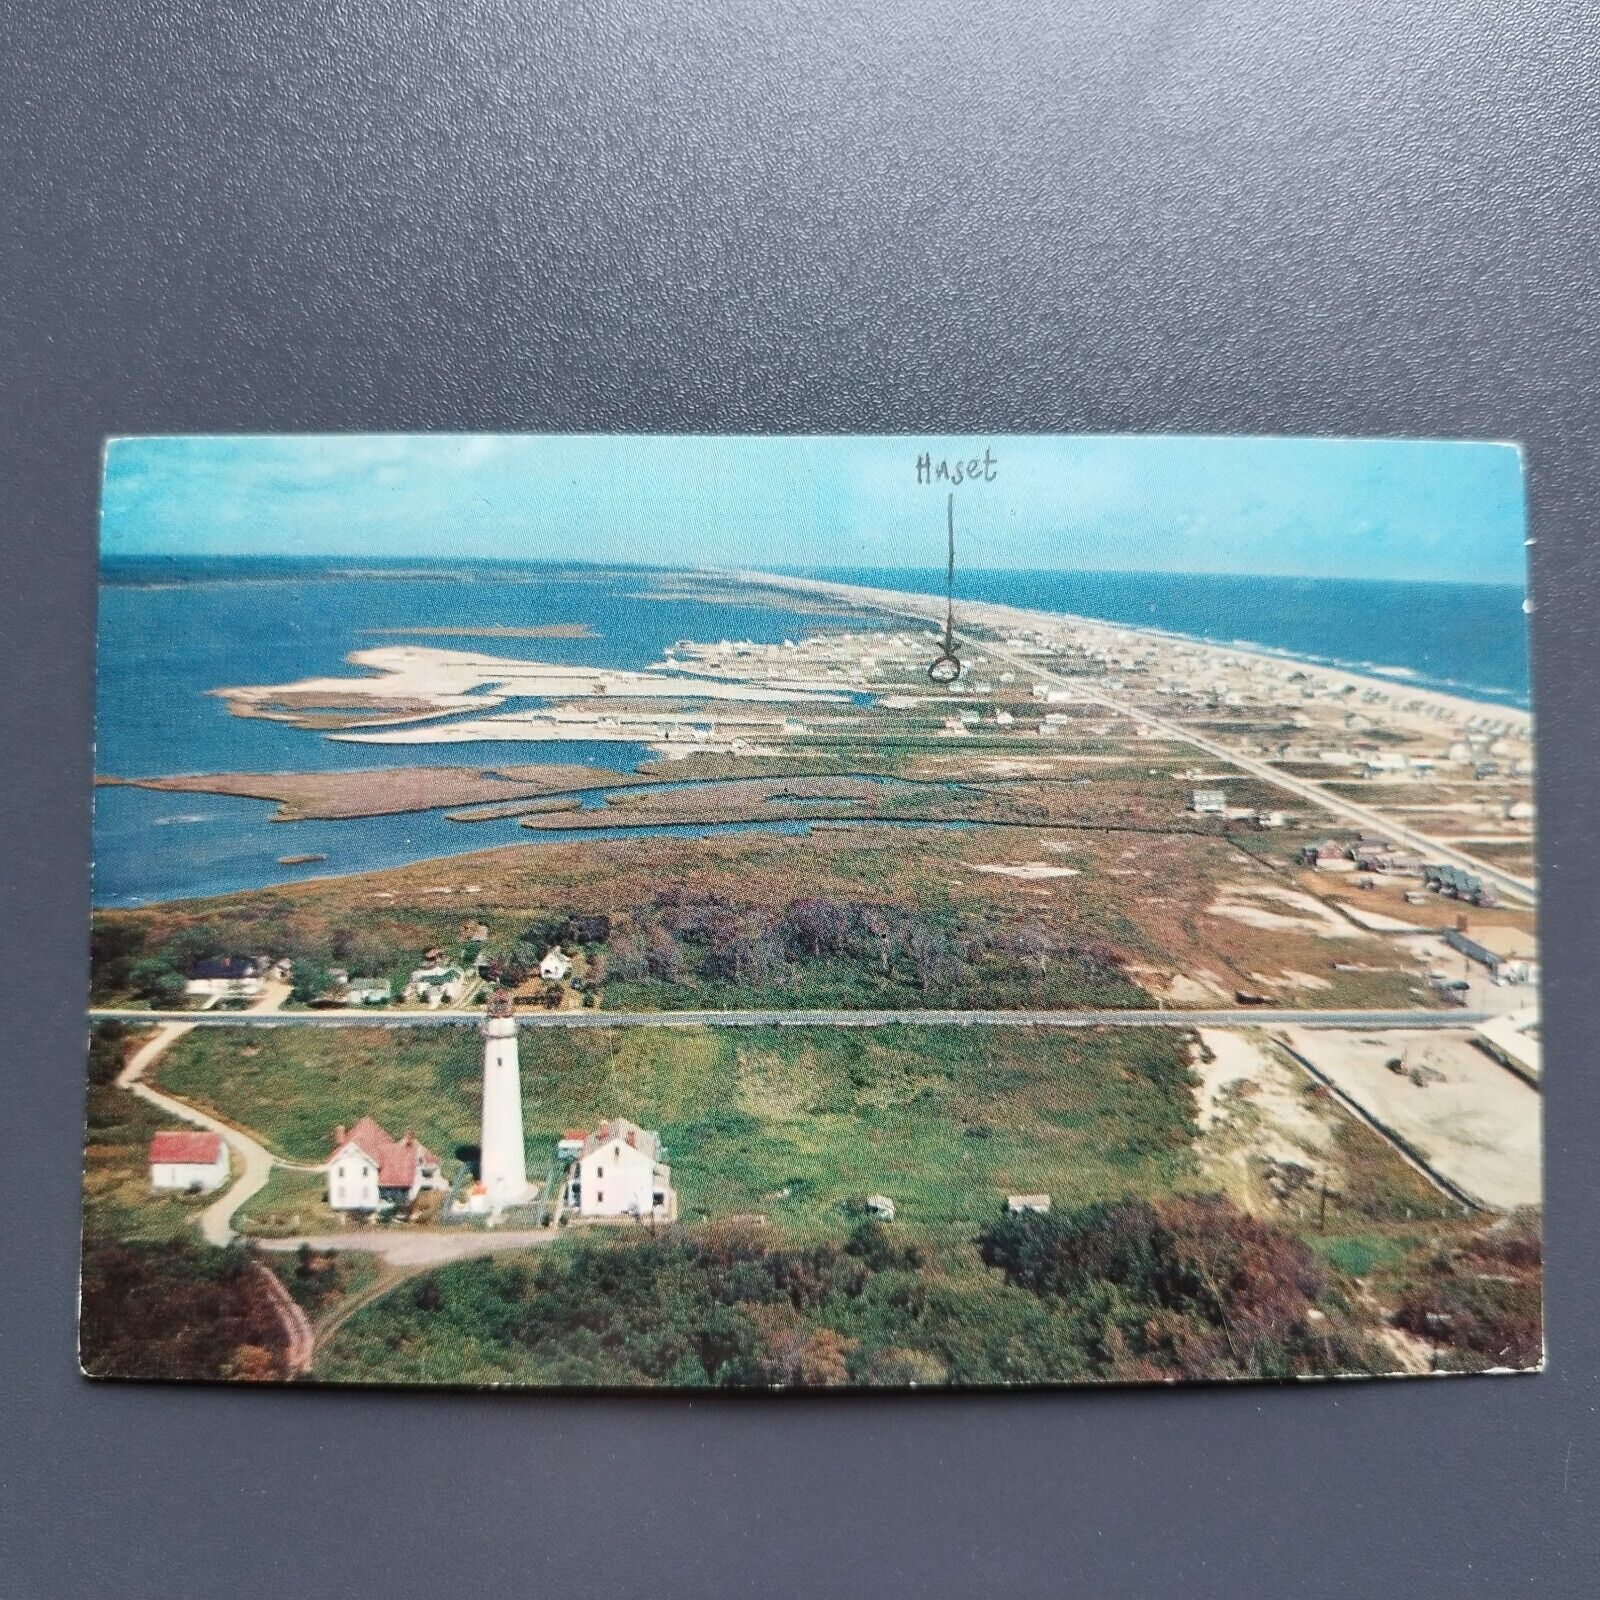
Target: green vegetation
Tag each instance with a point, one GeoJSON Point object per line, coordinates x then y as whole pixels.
{"type": "Point", "coordinates": [864, 916]}
{"type": "Point", "coordinates": [117, 1199]}
{"type": "Point", "coordinates": [292, 1086]}
{"type": "Point", "coordinates": [1480, 1303]}
{"type": "Point", "coordinates": [175, 1310]}
{"type": "Point", "coordinates": [1377, 1185]}
{"type": "Point", "coordinates": [320, 1280]}
{"type": "Point", "coordinates": [682, 951]}
{"type": "Point", "coordinates": [786, 1122]}
{"type": "Point", "coordinates": [1193, 1289]}
{"type": "Point", "coordinates": [289, 1203]}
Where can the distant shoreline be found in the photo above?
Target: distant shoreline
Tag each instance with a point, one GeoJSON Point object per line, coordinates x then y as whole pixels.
{"type": "Point", "coordinates": [1457, 708]}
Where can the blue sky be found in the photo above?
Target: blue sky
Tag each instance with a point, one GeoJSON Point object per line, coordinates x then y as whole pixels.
{"type": "Point", "coordinates": [1322, 508]}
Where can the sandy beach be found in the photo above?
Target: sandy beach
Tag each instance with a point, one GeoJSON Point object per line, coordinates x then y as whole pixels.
{"type": "Point", "coordinates": [1405, 702]}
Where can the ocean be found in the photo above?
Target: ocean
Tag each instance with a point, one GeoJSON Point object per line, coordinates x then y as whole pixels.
{"type": "Point", "coordinates": [171, 631]}
{"type": "Point", "coordinates": [1462, 638]}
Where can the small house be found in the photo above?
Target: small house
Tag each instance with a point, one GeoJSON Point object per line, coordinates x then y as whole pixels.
{"type": "Point", "coordinates": [570, 1145]}
{"type": "Point", "coordinates": [1208, 802]}
{"type": "Point", "coordinates": [881, 1207]}
{"type": "Point", "coordinates": [229, 978]}
{"type": "Point", "coordinates": [1329, 856]}
{"type": "Point", "coordinates": [1018, 1203]}
{"type": "Point", "coordinates": [188, 1161]}
{"type": "Point", "coordinates": [556, 965]}
{"type": "Point", "coordinates": [437, 985]}
{"type": "Point", "coordinates": [368, 992]}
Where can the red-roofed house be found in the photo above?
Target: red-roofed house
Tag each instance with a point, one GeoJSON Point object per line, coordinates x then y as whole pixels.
{"type": "Point", "coordinates": [189, 1160]}
{"type": "Point", "coordinates": [369, 1170]}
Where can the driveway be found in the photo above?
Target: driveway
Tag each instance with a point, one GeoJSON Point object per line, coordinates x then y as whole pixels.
{"type": "Point", "coordinates": [400, 1247]}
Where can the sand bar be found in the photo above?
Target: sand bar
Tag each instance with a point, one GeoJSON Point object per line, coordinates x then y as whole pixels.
{"type": "Point", "coordinates": [384, 791]}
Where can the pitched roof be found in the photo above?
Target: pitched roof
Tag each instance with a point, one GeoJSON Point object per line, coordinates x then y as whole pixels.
{"type": "Point", "coordinates": [395, 1159]}
{"type": "Point", "coordinates": [227, 967]}
{"type": "Point", "coordinates": [624, 1132]}
{"type": "Point", "coordinates": [186, 1149]}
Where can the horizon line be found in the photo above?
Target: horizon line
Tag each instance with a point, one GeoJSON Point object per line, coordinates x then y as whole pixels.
{"type": "Point", "coordinates": [444, 563]}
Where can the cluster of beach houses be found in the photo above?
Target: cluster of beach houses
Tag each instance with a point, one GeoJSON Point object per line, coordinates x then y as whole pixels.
{"type": "Point", "coordinates": [1375, 855]}
{"type": "Point", "coordinates": [437, 982]}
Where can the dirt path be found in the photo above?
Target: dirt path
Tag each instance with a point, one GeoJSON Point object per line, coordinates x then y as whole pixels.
{"type": "Point", "coordinates": [253, 1161]}
{"type": "Point", "coordinates": [404, 1259]}
{"type": "Point", "coordinates": [299, 1343]}
{"type": "Point", "coordinates": [380, 1286]}
{"type": "Point", "coordinates": [419, 1250]}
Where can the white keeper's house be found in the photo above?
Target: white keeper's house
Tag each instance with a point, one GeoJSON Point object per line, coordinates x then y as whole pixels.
{"type": "Point", "coordinates": [189, 1161]}
{"type": "Point", "coordinates": [622, 1171]}
{"type": "Point", "coordinates": [370, 1171]}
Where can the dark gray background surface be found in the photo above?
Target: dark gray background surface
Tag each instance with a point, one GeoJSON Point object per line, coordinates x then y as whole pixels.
{"type": "Point", "coordinates": [1304, 216]}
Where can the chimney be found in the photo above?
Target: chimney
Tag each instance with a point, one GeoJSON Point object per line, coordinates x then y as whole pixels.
{"type": "Point", "coordinates": [1461, 923]}
{"type": "Point", "coordinates": [338, 1136]}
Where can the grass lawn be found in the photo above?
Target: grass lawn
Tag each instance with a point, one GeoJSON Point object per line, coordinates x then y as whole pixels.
{"type": "Point", "coordinates": [786, 1122]}
{"type": "Point", "coordinates": [1356, 1254]}
{"type": "Point", "coordinates": [289, 1203]}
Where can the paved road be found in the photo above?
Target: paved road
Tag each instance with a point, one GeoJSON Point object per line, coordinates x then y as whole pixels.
{"type": "Point", "coordinates": [928, 609]}
{"type": "Point", "coordinates": [1508, 884]}
{"type": "Point", "coordinates": [1237, 1017]}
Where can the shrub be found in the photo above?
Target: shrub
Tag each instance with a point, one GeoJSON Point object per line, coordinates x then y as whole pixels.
{"type": "Point", "coordinates": [1197, 1288]}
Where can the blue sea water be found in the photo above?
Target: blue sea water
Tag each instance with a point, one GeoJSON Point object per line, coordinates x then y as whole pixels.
{"type": "Point", "coordinates": [1469, 639]}
{"type": "Point", "coordinates": [170, 632]}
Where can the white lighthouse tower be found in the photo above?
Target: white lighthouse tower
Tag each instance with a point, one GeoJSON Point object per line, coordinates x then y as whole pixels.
{"type": "Point", "coordinates": [502, 1164]}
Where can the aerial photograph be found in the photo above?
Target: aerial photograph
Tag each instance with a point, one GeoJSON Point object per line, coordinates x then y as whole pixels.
{"type": "Point", "coordinates": [798, 912]}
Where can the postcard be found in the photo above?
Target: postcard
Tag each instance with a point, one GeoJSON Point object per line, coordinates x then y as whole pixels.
{"type": "Point", "coordinates": [680, 912]}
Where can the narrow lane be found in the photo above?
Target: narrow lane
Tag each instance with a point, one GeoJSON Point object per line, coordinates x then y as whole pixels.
{"type": "Point", "coordinates": [1234, 1017]}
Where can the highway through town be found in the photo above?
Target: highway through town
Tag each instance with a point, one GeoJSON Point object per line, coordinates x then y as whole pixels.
{"type": "Point", "coordinates": [1235, 1017]}
{"type": "Point", "coordinates": [1507, 884]}
{"type": "Point", "coordinates": [1512, 887]}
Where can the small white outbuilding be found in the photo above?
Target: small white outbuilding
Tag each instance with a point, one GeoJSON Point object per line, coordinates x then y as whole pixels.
{"type": "Point", "coordinates": [188, 1161]}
